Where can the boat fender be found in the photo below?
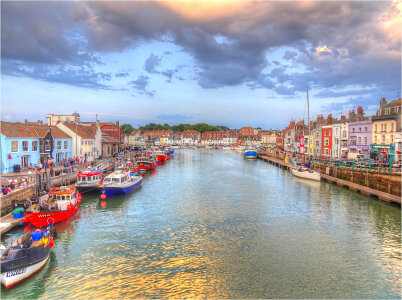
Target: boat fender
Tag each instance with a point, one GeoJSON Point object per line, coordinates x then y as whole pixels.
{"type": "Point", "coordinates": [51, 242]}
{"type": "Point", "coordinates": [103, 196]}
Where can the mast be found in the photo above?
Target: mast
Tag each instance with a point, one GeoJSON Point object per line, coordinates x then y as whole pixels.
{"type": "Point", "coordinates": [308, 115]}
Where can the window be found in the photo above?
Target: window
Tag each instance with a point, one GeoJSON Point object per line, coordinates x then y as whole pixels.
{"type": "Point", "coordinates": [353, 141]}
{"type": "Point", "coordinates": [326, 151]}
{"type": "Point", "coordinates": [65, 144]}
{"type": "Point", "coordinates": [383, 139]}
{"type": "Point", "coordinates": [359, 140]}
{"type": "Point", "coordinates": [82, 142]}
{"type": "Point", "coordinates": [344, 134]}
{"type": "Point", "coordinates": [326, 142]}
{"type": "Point", "coordinates": [25, 146]}
{"type": "Point", "coordinates": [386, 111]}
{"type": "Point", "coordinates": [365, 129]}
{"type": "Point", "coordinates": [14, 146]}
{"type": "Point", "coordinates": [336, 131]}
{"type": "Point", "coordinates": [385, 127]}
{"type": "Point", "coordinates": [47, 145]}
{"type": "Point", "coordinates": [392, 139]}
{"type": "Point", "coordinates": [392, 127]}
{"type": "Point", "coordinates": [353, 129]}
{"type": "Point", "coordinates": [58, 145]}
{"type": "Point", "coordinates": [365, 140]}
{"type": "Point", "coordinates": [360, 129]}
{"type": "Point", "coordinates": [35, 146]}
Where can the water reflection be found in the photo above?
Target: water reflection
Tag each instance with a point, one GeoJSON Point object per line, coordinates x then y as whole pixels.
{"type": "Point", "coordinates": [211, 225]}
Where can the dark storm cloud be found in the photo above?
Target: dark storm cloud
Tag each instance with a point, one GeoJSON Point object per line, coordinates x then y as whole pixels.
{"type": "Point", "coordinates": [231, 45]}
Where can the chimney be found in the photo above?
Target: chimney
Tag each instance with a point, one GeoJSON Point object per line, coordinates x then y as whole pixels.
{"type": "Point", "coordinates": [329, 119]}
{"type": "Point", "coordinates": [117, 123]}
{"type": "Point", "coordinates": [383, 102]}
{"type": "Point", "coordinates": [26, 121]}
{"type": "Point", "coordinates": [360, 111]}
{"type": "Point", "coordinates": [40, 122]}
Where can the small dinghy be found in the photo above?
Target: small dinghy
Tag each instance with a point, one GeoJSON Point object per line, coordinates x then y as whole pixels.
{"type": "Point", "coordinates": [306, 173]}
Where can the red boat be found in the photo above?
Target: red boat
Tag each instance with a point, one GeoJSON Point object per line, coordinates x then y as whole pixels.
{"type": "Point", "coordinates": [161, 155]}
{"type": "Point", "coordinates": [61, 203]}
{"type": "Point", "coordinates": [145, 164]}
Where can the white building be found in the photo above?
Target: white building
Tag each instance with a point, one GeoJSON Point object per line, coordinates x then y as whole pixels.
{"type": "Point", "coordinates": [336, 140]}
{"type": "Point", "coordinates": [86, 139]}
{"type": "Point", "coordinates": [344, 139]}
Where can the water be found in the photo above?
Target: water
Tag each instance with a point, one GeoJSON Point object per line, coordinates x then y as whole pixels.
{"type": "Point", "coordinates": [210, 225]}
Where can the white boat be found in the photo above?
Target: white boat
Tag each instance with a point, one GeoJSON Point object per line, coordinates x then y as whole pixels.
{"type": "Point", "coordinates": [307, 174]}
{"type": "Point", "coordinates": [119, 183]}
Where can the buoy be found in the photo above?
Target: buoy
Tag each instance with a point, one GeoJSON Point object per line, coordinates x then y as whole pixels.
{"type": "Point", "coordinates": [103, 196]}
{"type": "Point", "coordinates": [103, 203]}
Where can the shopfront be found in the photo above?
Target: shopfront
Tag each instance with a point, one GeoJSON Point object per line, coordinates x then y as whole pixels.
{"type": "Point", "coordinates": [382, 152]}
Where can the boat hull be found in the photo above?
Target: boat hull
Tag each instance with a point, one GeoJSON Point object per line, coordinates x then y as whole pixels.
{"type": "Point", "coordinates": [40, 219]}
{"type": "Point", "coordinates": [161, 158]}
{"type": "Point", "coordinates": [87, 189]}
{"type": "Point", "coordinates": [114, 191]}
{"type": "Point", "coordinates": [17, 270]}
{"type": "Point", "coordinates": [307, 175]}
{"type": "Point", "coordinates": [250, 154]}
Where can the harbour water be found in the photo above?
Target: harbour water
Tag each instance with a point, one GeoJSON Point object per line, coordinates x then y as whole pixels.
{"type": "Point", "coordinates": [209, 224]}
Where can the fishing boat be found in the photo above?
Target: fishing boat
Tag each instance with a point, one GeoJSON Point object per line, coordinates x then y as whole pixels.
{"type": "Point", "coordinates": [89, 181]}
{"type": "Point", "coordinates": [250, 154]}
{"type": "Point", "coordinates": [161, 155]}
{"type": "Point", "coordinates": [61, 203]}
{"type": "Point", "coordinates": [145, 163]}
{"type": "Point", "coordinates": [25, 257]}
{"type": "Point", "coordinates": [120, 183]}
{"type": "Point", "coordinates": [306, 173]}
{"type": "Point", "coordinates": [168, 155]}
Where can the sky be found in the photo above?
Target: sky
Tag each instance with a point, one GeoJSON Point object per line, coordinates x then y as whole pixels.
{"type": "Point", "coordinates": [226, 63]}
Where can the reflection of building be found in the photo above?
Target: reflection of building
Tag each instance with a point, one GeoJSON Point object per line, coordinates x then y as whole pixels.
{"type": "Point", "coordinates": [387, 130]}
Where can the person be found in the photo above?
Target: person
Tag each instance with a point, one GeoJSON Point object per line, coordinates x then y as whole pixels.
{"type": "Point", "coordinates": [19, 181]}
{"type": "Point", "coordinates": [12, 184]}
{"type": "Point", "coordinates": [4, 190]}
{"type": "Point", "coordinates": [24, 184]}
{"type": "Point", "coordinates": [8, 190]}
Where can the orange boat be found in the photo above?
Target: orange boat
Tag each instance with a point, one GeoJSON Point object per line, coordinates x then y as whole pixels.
{"type": "Point", "coordinates": [61, 203]}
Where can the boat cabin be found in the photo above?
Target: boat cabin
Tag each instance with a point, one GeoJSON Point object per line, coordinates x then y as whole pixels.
{"type": "Point", "coordinates": [118, 178]}
{"type": "Point", "coordinates": [89, 177]}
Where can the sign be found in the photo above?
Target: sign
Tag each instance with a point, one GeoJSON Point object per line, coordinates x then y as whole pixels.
{"type": "Point", "coordinates": [384, 150]}
{"type": "Point", "coordinates": [85, 147]}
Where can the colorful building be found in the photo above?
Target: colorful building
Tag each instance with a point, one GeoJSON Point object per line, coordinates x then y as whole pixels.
{"type": "Point", "coordinates": [359, 139]}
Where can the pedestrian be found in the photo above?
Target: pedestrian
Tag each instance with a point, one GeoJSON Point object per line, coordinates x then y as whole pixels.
{"type": "Point", "coordinates": [24, 184]}
{"type": "Point", "coordinates": [19, 181]}
{"type": "Point", "coordinates": [12, 184]}
{"type": "Point", "coordinates": [8, 190]}
{"type": "Point", "coordinates": [4, 190]}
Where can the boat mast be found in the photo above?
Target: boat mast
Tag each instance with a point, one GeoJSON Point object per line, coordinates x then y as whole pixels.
{"type": "Point", "coordinates": [308, 116]}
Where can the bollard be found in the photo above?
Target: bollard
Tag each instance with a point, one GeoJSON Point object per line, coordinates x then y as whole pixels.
{"type": "Point", "coordinates": [369, 166]}
{"type": "Point", "coordinates": [379, 168]}
{"type": "Point", "coordinates": [390, 168]}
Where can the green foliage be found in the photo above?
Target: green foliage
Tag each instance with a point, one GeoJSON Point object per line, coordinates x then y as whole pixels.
{"type": "Point", "coordinates": [127, 128]}
{"type": "Point", "coordinates": [201, 127]}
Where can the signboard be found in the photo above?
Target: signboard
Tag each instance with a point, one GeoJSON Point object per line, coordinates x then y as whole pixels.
{"type": "Point", "coordinates": [302, 141]}
{"type": "Point", "coordinates": [384, 150]}
{"type": "Point", "coordinates": [85, 147]}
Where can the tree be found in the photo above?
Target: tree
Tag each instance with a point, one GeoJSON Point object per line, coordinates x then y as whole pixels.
{"type": "Point", "coordinates": [127, 128]}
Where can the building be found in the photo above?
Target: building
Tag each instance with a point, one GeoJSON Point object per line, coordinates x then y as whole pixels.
{"type": "Point", "coordinates": [288, 137]}
{"type": "Point", "coordinates": [386, 130]}
{"type": "Point", "coordinates": [110, 145]}
{"type": "Point", "coordinates": [86, 139]}
{"type": "Point", "coordinates": [190, 138]}
{"type": "Point", "coordinates": [53, 120]}
{"type": "Point", "coordinates": [344, 137]}
{"type": "Point", "coordinates": [23, 144]}
{"type": "Point", "coordinates": [359, 139]}
{"type": "Point", "coordinates": [336, 140]}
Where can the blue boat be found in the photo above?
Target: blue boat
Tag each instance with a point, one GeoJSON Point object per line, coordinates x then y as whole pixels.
{"type": "Point", "coordinates": [120, 183]}
{"type": "Point", "coordinates": [250, 154]}
{"type": "Point", "coordinates": [171, 152]}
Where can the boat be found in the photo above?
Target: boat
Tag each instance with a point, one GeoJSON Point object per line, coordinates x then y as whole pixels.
{"type": "Point", "coordinates": [306, 173]}
{"type": "Point", "coordinates": [168, 155]}
{"type": "Point", "coordinates": [250, 154]}
{"type": "Point", "coordinates": [120, 183]}
{"type": "Point", "coordinates": [26, 256]}
{"type": "Point", "coordinates": [145, 163]}
{"type": "Point", "coordinates": [161, 155]}
{"type": "Point", "coordinates": [89, 181]}
{"type": "Point", "coordinates": [61, 203]}
{"type": "Point", "coordinates": [129, 168]}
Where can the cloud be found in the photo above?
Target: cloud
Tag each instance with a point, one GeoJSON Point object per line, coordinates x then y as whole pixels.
{"type": "Point", "coordinates": [122, 74]}
{"type": "Point", "coordinates": [141, 85]}
{"type": "Point", "coordinates": [151, 63]}
{"type": "Point", "coordinates": [336, 44]}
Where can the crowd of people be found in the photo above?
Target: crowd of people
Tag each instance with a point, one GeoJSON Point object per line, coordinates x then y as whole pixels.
{"type": "Point", "coordinates": [14, 185]}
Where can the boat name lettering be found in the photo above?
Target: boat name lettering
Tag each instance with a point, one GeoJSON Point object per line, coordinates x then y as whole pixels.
{"type": "Point", "coordinates": [16, 272]}
{"type": "Point", "coordinates": [45, 215]}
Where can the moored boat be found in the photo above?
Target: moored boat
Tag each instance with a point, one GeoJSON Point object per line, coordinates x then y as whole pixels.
{"type": "Point", "coordinates": [119, 183]}
{"type": "Point", "coordinates": [61, 203]}
{"type": "Point", "coordinates": [250, 154]}
{"type": "Point", "coordinates": [25, 257]}
{"type": "Point", "coordinates": [89, 181]}
{"type": "Point", "coordinates": [306, 174]}
{"type": "Point", "coordinates": [145, 163]}
{"type": "Point", "coordinates": [161, 155]}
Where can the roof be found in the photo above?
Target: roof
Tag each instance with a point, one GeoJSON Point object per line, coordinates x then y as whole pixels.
{"type": "Point", "coordinates": [84, 131]}
{"type": "Point", "coordinates": [393, 103]}
{"type": "Point", "coordinates": [20, 130]}
{"type": "Point", "coordinates": [109, 139]}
